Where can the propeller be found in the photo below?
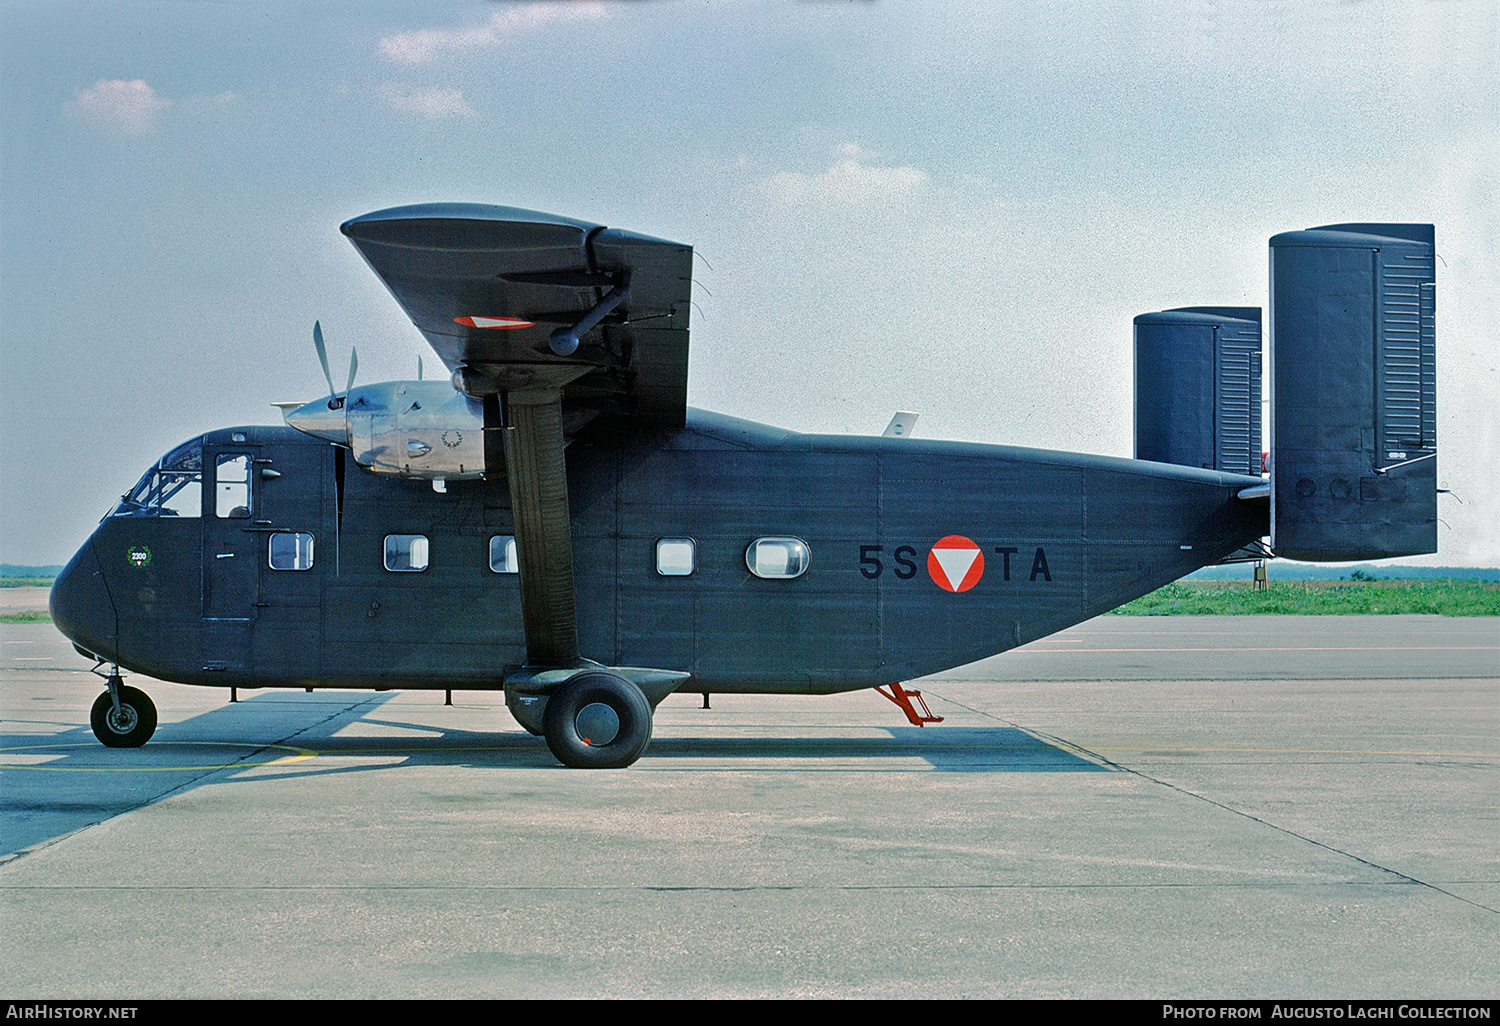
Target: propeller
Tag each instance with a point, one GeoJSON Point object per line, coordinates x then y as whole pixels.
{"type": "Point", "coordinates": [334, 400]}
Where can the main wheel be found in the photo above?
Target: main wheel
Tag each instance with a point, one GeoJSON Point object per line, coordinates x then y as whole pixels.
{"type": "Point", "coordinates": [597, 720]}
{"type": "Point", "coordinates": [131, 727]}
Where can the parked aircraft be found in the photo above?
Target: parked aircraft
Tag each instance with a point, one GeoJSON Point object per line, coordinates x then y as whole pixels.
{"type": "Point", "coordinates": [554, 521]}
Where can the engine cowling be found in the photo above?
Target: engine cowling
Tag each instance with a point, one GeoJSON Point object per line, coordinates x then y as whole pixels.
{"type": "Point", "coordinates": [420, 429]}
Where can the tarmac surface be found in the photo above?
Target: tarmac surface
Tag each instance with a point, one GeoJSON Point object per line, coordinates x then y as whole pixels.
{"type": "Point", "coordinates": [1188, 807]}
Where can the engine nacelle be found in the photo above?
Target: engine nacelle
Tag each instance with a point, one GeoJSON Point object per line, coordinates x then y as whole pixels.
{"type": "Point", "coordinates": [421, 429]}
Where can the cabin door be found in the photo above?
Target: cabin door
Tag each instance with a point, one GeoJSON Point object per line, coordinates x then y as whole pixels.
{"type": "Point", "coordinates": [299, 552]}
{"type": "Point", "coordinates": [232, 542]}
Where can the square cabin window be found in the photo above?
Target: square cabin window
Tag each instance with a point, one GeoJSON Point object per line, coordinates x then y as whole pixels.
{"type": "Point", "coordinates": [291, 550]}
{"type": "Point", "coordinates": [406, 553]}
{"type": "Point", "coordinates": [503, 554]}
{"type": "Point", "coordinates": [675, 556]}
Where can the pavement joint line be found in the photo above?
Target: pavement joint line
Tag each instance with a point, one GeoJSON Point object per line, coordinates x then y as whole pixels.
{"type": "Point", "coordinates": [1046, 739]}
{"type": "Point", "coordinates": [1289, 832]}
{"type": "Point", "coordinates": [193, 781]}
{"type": "Point", "coordinates": [1106, 761]}
{"type": "Point", "coordinates": [333, 715]}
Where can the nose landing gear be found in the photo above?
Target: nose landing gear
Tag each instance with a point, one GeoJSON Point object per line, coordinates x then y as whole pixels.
{"type": "Point", "coordinates": [123, 717]}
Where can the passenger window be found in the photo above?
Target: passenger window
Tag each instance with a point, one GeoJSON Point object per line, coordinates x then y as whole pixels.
{"type": "Point", "coordinates": [291, 551]}
{"type": "Point", "coordinates": [406, 553]}
{"type": "Point", "coordinates": [503, 554]}
{"type": "Point", "coordinates": [232, 486]}
{"type": "Point", "coordinates": [778, 558]}
{"type": "Point", "coordinates": [675, 556]}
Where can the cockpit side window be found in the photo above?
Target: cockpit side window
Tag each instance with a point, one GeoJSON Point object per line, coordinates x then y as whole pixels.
{"type": "Point", "coordinates": [232, 485]}
{"type": "Point", "coordinates": [172, 488]}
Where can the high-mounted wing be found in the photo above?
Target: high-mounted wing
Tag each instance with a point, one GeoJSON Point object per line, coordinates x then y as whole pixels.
{"type": "Point", "coordinates": [510, 298]}
{"type": "Point", "coordinates": [550, 321]}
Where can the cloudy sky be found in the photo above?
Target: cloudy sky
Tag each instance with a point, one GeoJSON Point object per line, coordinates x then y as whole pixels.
{"type": "Point", "coordinates": [942, 207]}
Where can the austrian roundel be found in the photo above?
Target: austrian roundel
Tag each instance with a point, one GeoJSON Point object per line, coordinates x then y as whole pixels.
{"type": "Point", "coordinates": [955, 563]}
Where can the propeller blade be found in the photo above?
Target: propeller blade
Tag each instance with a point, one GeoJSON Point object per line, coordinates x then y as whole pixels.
{"type": "Point", "coordinates": [353, 366]}
{"type": "Point", "coordinates": [322, 354]}
{"type": "Point", "coordinates": [419, 366]}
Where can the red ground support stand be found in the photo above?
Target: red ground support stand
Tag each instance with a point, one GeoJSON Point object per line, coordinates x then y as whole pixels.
{"type": "Point", "coordinates": [903, 697]}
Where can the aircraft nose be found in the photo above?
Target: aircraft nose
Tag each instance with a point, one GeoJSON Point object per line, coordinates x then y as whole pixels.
{"type": "Point", "coordinates": [81, 606]}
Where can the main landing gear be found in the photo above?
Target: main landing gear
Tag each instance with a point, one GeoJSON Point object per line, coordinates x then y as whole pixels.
{"type": "Point", "coordinates": [597, 720]}
{"type": "Point", "coordinates": [123, 717]}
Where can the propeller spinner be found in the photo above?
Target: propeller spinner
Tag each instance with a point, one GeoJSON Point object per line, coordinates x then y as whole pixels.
{"type": "Point", "coordinates": [323, 417]}
{"type": "Point", "coordinates": [419, 428]}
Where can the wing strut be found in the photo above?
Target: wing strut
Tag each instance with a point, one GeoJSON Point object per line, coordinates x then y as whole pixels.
{"type": "Point", "coordinates": [538, 478]}
{"type": "Point", "coordinates": [564, 341]}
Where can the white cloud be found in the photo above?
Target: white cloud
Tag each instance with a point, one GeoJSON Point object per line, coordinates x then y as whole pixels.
{"type": "Point", "coordinates": [852, 179]}
{"type": "Point", "coordinates": [429, 103]}
{"type": "Point", "coordinates": [118, 105]}
{"type": "Point", "coordinates": [423, 45]}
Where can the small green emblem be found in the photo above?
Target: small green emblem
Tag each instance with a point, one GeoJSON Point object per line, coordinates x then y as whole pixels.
{"type": "Point", "coordinates": [138, 555]}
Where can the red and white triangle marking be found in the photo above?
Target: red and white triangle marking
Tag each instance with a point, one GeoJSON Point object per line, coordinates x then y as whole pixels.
{"type": "Point", "coordinates": [494, 322]}
{"type": "Point", "coordinates": [955, 563]}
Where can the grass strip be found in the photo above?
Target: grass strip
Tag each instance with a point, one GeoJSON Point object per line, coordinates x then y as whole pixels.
{"type": "Point", "coordinates": [1318, 598]}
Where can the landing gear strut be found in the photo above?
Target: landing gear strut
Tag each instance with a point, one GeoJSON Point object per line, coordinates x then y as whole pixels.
{"type": "Point", "coordinates": [597, 720]}
{"type": "Point", "coordinates": [123, 717]}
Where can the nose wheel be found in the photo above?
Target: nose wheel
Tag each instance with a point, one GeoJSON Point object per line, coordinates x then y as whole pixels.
{"type": "Point", "coordinates": [123, 717]}
{"type": "Point", "coordinates": [597, 720]}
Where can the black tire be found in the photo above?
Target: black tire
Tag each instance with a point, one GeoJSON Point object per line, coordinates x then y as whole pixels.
{"type": "Point", "coordinates": [588, 698]}
{"type": "Point", "coordinates": [134, 725]}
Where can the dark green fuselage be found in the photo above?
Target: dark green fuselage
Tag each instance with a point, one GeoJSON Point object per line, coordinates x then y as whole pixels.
{"type": "Point", "coordinates": [1063, 537]}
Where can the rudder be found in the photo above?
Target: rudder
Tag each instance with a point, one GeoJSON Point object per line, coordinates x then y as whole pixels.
{"type": "Point", "coordinates": [1353, 392]}
{"type": "Point", "coordinates": [1197, 388]}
